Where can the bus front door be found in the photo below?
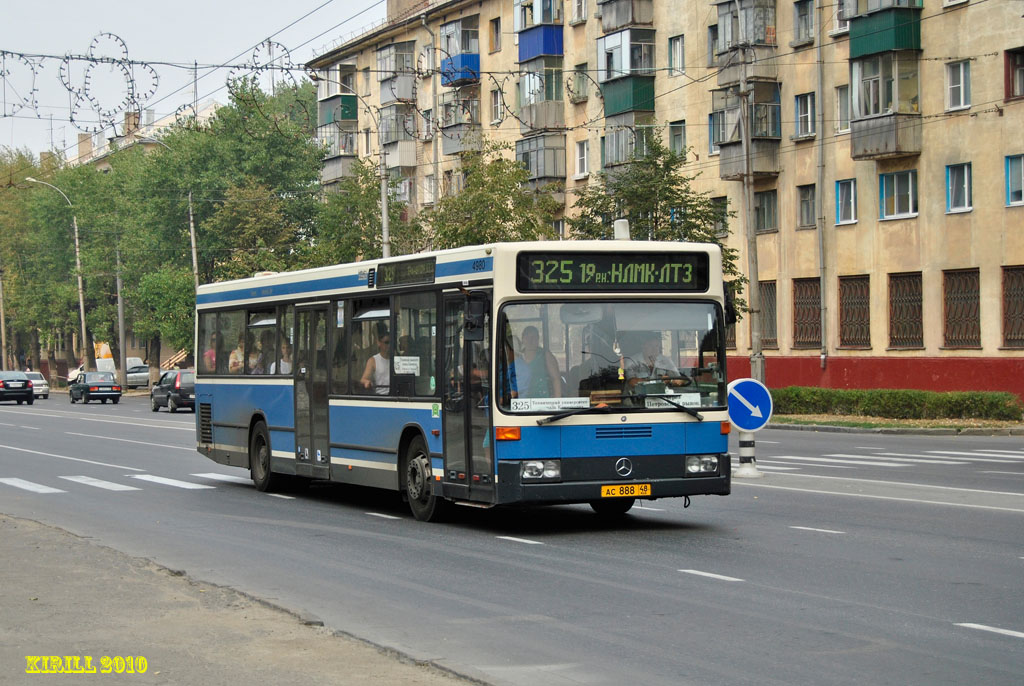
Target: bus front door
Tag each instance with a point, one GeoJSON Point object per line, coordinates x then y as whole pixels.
{"type": "Point", "coordinates": [312, 442]}
{"type": "Point", "coordinates": [468, 454]}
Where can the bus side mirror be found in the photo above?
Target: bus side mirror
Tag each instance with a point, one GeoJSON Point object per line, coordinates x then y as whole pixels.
{"type": "Point", "coordinates": [474, 322]}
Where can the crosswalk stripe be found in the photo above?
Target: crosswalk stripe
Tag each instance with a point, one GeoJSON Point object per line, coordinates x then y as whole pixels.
{"type": "Point", "coordinates": [230, 478]}
{"type": "Point", "coordinates": [935, 460]}
{"type": "Point", "coordinates": [865, 463]}
{"type": "Point", "coordinates": [978, 456]}
{"type": "Point", "coordinates": [100, 483]}
{"type": "Point", "coordinates": [169, 482]}
{"type": "Point", "coordinates": [775, 468]}
{"type": "Point", "coordinates": [769, 461]}
{"type": "Point", "coordinates": [1009, 452]}
{"type": "Point", "coordinates": [942, 457]}
{"type": "Point", "coordinates": [30, 486]}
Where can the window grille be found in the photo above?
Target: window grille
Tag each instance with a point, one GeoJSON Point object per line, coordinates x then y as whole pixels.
{"type": "Point", "coordinates": [963, 313]}
{"type": "Point", "coordinates": [769, 318]}
{"type": "Point", "coordinates": [905, 326]}
{"type": "Point", "coordinates": [806, 313]}
{"type": "Point", "coordinates": [1013, 307]}
{"type": "Point", "coordinates": [855, 311]}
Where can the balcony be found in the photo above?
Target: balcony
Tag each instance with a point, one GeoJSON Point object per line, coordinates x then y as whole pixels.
{"type": "Point", "coordinates": [401, 87]}
{"type": "Point", "coordinates": [400, 154]}
{"type": "Point", "coordinates": [765, 133]}
{"type": "Point", "coordinates": [894, 28]}
{"type": "Point", "coordinates": [763, 66]}
{"type": "Point", "coordinates": [540, 41]}
{"type": "Point", "coordinates": [337, 108]}
{"type": "Point", "coordinates": [538, 116]}
{"type": "Point", "coordinates": [460, 70]}
{"type": "Point", "coordinates": [764, 159]}
{"type": "Point", "coordinates": [633, 93]}
{"type": "Point", "coordinates": [616, 14]}
{"type": "Point", "coordinates": [886, 136]}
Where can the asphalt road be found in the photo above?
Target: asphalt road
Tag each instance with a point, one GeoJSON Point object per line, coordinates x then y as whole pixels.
{"type": "Point", "coordinates": [857, 559]}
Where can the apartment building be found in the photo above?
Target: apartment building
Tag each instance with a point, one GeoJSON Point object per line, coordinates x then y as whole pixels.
{"type": "Point", "coordinates": [882, 178]}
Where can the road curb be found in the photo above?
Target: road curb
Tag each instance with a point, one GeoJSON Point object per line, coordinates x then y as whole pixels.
{"type": "Point", "coordinates": [913, 431]}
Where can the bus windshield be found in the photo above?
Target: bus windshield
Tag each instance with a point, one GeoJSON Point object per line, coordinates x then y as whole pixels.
{"type": "Point", "coordinates": [624, 354]}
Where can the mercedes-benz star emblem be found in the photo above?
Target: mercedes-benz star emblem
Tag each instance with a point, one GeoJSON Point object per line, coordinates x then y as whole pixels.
{"type": "Point", "coordinates": [624, 466]}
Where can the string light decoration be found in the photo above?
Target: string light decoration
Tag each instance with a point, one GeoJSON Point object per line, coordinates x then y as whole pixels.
{"type": "Point", "coordinates": [18, 74]}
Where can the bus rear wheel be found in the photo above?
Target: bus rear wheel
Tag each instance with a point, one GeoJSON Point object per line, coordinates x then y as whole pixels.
{"type": "Point", "coordinates": [259, 459]}
{"type": "Point", "coordinates": [612, 508]}
{"type": "Point", "coordinates": [418, 475]}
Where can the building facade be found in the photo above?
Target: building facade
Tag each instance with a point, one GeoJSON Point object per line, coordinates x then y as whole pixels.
{"type": "Point", "coordinates": [874, 148]}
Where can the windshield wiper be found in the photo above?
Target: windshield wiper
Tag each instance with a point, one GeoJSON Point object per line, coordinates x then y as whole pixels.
{"type": "Point", "coordinates": [562, 415]}
{"type": "Point", "coordinates": [688, 410]}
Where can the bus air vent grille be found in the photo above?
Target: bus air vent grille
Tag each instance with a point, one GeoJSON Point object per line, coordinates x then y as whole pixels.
{"type": "Point", "coordinates": [623, 432]}
{"type": "Point", "coordinates": [371, 277]}
{"type": "Point", "coordinates": [205, 423]}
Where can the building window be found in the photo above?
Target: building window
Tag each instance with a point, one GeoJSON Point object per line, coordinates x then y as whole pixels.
{"type": "Point", "coordinates": [495, 35]}
{"type": "Point", "coordinates": [846, 201]}
{"type": "Point", "coordinates": [1013, 307]}
{"type": "Point", "coordinates": [366, 81]}
{"type": "Point", "coordinates": [540, 80]}
{"type": "Point", "coordinates": [961, 297]}
{"type": "Point", "coordinates": [721, 205]}
{"type": "Point", "coordinates": [677, 137]}
{"type": "Point", "coordinates": [855, 311]}
{"type": "Point", "coordinates": [886, 83]}
{"type": "Point", "coordinates": [496, 109]}
{"type": "Point", "coordinates": [805, 218]}
{"type": "Point", "coordinates": [805, 114]}
{"type": "Point", "coordinates": [625, 53]}
{"type": "Point", "coordinates": [766, 211]}
{"type": "Point", "coordinates": [712, 45]}
{"type": "Point", "coordinates": [807, 313]}
{"type": "Point", "coordinates": [716, 131]}
{"type": "Point", "coordinates": [558, 227]}
{"type": "Point", "coordinates": [897, 195]}
{"type": "Point", "coordinates": [543, 156]}
{"type": "Point", "coordinates": [769, 318]}
{"type": "Point", "coordinates": [426, 60]}
{"type": "Point", "coordinates": [842, 109]}
{"type": "Point", "coordinates": [578, 87]}
{"type": "Point", "coordinates": [582, 158]}
{"type": "Point", "coordinates": [579, 10]}
{"type": "Point", "coordinates": [429, 189]}
{"type": "Point", "coordinates": [906, 329]}
{"type": "Point", "coordinates": [676, 61]}
{"type": "Point", "coordinates": [958, 85]}
{"type": "Point", "coordinates": [428, 124]}
{"type": "Point", "coordinates": [958, 188]}
{"type": "Point", "coordinates": [1015, 73]}
{"type": "Point", "coordinates": [803, 21]}
{"type": "Point", "coordinates": [844, 10]}
{"type": "Point", "coordinates": [1015, 180]}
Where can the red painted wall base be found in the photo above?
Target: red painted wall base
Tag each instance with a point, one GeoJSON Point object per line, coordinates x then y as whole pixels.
{"type": "Point", "coordinates": [923, 373]}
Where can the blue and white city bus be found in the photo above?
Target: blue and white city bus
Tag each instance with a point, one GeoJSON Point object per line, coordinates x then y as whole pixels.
{"type": "Point", "coordinates": [514, 373]}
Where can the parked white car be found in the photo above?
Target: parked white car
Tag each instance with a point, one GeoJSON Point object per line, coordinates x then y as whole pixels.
{"type": "Point", "coordinates": [40, 386]}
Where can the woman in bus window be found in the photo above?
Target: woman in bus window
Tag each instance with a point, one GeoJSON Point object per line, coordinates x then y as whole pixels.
{"type": "Point", "coordinates": [237, 357]}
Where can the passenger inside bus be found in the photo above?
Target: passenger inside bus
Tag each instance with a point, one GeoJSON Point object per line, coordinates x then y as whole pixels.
{"type": "Point", "coordinates": [236, 359]}
{"type": "Point", "coordinates": [652, 369]}
{"type": "Point", "coordinates": [536, 368]}
{"type": "Point", "coordinates": [377, 374]}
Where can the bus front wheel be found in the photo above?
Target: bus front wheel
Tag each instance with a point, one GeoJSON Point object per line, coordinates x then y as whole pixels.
{"type": "Point", "coordinates": [425, 505]}
{"type": "Point", "coordinates": [259, 459]}
{"type": "Point", "coordinates": [612, 507]}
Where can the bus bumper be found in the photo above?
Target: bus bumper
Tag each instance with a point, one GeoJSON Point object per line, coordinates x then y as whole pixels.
{"type": "Point", "coordinates": [583, 482]}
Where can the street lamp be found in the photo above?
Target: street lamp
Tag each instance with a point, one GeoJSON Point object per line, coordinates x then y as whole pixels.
{"type": "Point", "coordinates": [78, 266]}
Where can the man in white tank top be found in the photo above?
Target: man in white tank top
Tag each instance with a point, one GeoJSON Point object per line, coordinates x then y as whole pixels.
{"type": "Point", "coordinates": [377, 374]}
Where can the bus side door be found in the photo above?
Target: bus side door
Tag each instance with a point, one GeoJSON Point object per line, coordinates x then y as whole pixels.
{"type": "Point", "coordinates": [312, 445]}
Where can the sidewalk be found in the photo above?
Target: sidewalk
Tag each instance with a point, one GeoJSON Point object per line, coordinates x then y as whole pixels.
{"type": "Point", "coordinates": [61, 595]}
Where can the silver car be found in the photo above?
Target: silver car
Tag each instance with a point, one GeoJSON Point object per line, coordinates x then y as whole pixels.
{"type": "Point", "coordinates": [40, 386]}
{"type": "Point", "coordinates": [138, 376]}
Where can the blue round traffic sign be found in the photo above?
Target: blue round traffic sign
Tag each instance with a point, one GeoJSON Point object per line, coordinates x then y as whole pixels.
{"type": "Point", "coordinates": [750, 404]}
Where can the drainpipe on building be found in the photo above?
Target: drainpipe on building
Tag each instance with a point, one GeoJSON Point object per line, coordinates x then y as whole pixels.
{"type": "Point", "coordinates": [820, 194]}
{"type": "Point", "coordinates": [434, 63]}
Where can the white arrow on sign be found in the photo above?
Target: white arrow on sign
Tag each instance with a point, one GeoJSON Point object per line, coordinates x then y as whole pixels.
{"type": "Point", "coordinates": [755, 410]}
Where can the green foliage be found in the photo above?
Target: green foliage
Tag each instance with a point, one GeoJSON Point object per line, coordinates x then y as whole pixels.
{"type": "Point", "coordinates": [494, 205]}
{"type": "Point", "coordinates": [898, 403]}
{"type": "Point", "coordinates": [657, 197]}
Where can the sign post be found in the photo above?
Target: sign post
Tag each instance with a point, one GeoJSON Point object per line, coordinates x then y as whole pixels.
{"type": "Point", "coordinates": [750, 408]}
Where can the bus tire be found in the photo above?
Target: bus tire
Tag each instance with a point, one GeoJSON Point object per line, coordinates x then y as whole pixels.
{"type": "Point", "coordinates": [612, 508]}
{"type": "Point", "coordinates": [259, 459]}
{"type": "Point", "coordinates": [418, 477]}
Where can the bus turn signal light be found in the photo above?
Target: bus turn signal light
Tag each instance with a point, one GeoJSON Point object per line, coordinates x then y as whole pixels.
{"type": "Point", "coordinates": [726, 428]}
{"type": "Point", "coordinates": [507, 433]}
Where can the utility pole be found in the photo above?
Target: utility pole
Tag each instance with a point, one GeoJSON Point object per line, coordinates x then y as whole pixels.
{"type": "Point", "coordinates": [123, 376]}
{"type": "Point", "coordinates": [3, 325]}
{"type": "Point", "coordinates": [192, 236]}
{"type": "Point", "coordinates": [385, 231]}
{"type": "Point", "coordinates": [754, 299]}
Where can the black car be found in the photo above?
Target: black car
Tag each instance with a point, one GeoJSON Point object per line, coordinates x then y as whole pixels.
{"type": "Point", "coordinates": [175, 389]}
{"type": "Point", "coordinates": [16, 386]}
{"type": "Point", "coordinates": [95, 386]}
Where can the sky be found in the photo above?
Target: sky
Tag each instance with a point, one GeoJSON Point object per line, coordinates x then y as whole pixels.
{"type": "Point", "coordinates": [167, 37]}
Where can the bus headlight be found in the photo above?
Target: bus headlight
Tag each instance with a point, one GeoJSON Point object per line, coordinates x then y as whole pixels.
{"type": "Point", "coordinates": [535, 470]}
{"type": "Point", "coordinates": [701, 464]}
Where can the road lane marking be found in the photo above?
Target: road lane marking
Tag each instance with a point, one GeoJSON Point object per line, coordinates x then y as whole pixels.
{"type": "Point", "coordinates": [775, 468]}
{"type": "Point", "coordinates": [710, 575]}
{"type": "Point", "coordinates": [148, 424]}
{"type": "Point", "coordinates": [128, 440]}
{"type": "Point", "coordinates": [382, 516]}
{"type": "Point", "coordinates": [988, 471]}
{"type": "Point", "coordinates": [33, 428]}
{"type": "Point", "coordinates": [169, 482]}
{"type": "Point", "coordinates": [902, 483]}
{"type": "Point", "coordinates": [761, 462]}
{"type": "Point", "coordinates": [1011, 452]}
{"type": "Point", "coordinates": [924, 460]}
{"type": "Point", "coordinates": [967, 459]}
{"type": "Point", "coordinates": [823, 531]}
{"type": "Point", "coordinates": [282, 496]}
{"type": "Point", "coordinates": [519, 540]}
{"type": "Point", "coordinates": [29, 486]}
{"type": "Point", "coordinates": [993, 629]}
{"type": "Point", "coordinates": [74, 459]}
{"type": "Point", "coordinates": [100, 483]}
{"type": "Point", "coordinates": [977, 453]}
{"type": "Point", "coordinates": [877, 497]}
{"type": "Point", "coordinates": [862, 463]}
{"type": "Point", "coordinates": [230, 478]}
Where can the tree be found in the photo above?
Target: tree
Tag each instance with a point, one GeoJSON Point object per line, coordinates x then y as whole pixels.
{"type": "Point", "coordinates": [494, 205]}
{"type": "Point", "coordinates": [657, 197]}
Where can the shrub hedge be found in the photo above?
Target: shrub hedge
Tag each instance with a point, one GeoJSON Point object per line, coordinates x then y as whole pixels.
{"type": "Point", "coordinates": [898, 403]}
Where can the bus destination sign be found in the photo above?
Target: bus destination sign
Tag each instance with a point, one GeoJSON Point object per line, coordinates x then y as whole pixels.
{"type": "Point", "coordinates": [663, 272]}
{"type": "Point", "coordinates": [410, 272]}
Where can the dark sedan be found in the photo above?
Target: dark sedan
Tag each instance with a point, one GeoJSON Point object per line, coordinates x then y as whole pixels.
{"type": "Point", "coordinates": [175, 389]}
{"type": "Point", "coordinates": [16, 386]}
{"type": "Point", "coordinates": [95, 386]}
